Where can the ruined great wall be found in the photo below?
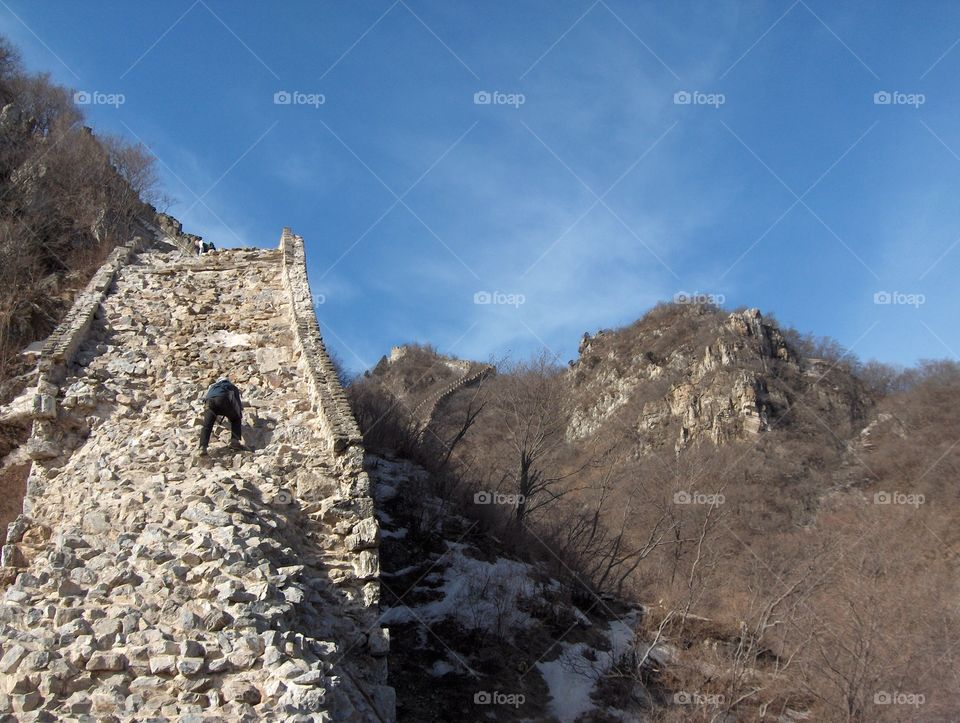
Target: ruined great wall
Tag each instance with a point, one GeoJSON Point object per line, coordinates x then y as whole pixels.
{"type": "Point", "coordinates": [472, 374]}
{"type": "Point", "coordinates": [145, 582]}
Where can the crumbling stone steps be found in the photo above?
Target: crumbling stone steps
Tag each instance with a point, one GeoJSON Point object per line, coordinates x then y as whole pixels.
{"type": "Point", "coordinates": [158, 585]}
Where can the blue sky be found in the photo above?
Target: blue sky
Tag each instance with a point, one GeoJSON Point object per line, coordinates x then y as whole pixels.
{"type": "Point", "coordinates": [586, 189]}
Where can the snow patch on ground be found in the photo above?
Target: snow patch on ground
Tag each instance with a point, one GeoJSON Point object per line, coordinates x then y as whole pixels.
{"type": "Point", "coordinates": [441, 668]}
{"type": "Point", "coordinates": [479, 595]}
{"type": "Point", "coordinates": [581, 618]}
{"type": "Point", "coordinates": [384, 492]}
{"type": "Point", "coordinates": [402, 571]}
{"type": "Point", "coordinates": [572, 677]}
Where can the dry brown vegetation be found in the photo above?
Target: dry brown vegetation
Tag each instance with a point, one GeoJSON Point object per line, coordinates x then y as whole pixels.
{"type": "Point", "coordinates": [800, 589]}
{"type": "Point", "coordinates": [66, 199]}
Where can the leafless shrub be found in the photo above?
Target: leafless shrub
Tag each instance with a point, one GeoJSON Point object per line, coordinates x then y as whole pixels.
{"type": "Point", "coordinates": [66, 199]}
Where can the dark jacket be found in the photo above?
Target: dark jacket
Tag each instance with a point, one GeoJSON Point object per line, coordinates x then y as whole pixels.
{"type": "Point", "coordinates": [226, 388]}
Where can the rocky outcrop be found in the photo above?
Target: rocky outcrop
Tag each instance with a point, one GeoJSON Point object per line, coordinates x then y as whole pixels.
{"type": "Point", "coordinates": [421, 380]}
{"type": "Point", "coordinates": [714, 382]}
{"type": "Point", "coordinates": [150, 583]}
{"type": "Point", "coordinates": [735, 407]}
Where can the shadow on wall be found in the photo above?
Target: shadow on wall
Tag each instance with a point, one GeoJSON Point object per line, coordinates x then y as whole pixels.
{"type": "Point", "coordinates": [13, 487]}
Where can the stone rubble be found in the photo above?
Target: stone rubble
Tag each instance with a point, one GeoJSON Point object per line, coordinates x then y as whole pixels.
{"type": "Point", "coordinates": [155, 584]}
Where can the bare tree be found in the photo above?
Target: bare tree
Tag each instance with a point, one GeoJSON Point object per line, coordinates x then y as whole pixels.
{"type": "Point", "coordinates": [67, 198]}
{"type": "Point", "coordinates": [530, 409]}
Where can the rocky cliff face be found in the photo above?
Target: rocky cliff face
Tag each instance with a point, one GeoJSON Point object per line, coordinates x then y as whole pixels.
{"type": "Point", "coordinates": [685, 375]}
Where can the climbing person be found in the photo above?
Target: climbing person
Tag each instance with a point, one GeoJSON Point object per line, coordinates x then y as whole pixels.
{"type": "Point", "coordinates": [198, 245]}
{"type": "Point", "coordinates": [222, 400]}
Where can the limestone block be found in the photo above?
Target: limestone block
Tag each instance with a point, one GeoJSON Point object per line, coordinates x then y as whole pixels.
{"type": "Point", "coordinates": [242, 691]}
{"type": "Point", "coordinates": [367, 565]}
{"type": "Point", "coordinates": [100, 661]}
{"type": "Point", "coordinates": [11, 658]}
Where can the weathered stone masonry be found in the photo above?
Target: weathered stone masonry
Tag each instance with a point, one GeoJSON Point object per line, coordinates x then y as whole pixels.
{"type": "Point", "coordinates": [61, 345]}
{"type": "Point", "coordinates": [341, 430]}
{"type": "Point", "coordinates": [148, 585]}
{"type": "Point", "coordinates": [330, 401]}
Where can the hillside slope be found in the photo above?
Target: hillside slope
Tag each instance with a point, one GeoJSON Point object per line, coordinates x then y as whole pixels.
{"type": "Point", "coordinates": [782, 515]}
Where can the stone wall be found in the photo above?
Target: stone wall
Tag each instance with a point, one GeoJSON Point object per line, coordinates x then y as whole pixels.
{"type": "Point", "coordinates": [330, 401]}
{"type": "Point", "coordinates": [426, 408]}
{"type": "Point", "coordinates": [114, 486]}
{"type": "Point", "coordinates": [359, 527]}
{"type": "Point", "coordinates": [62, 344]}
